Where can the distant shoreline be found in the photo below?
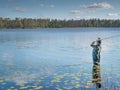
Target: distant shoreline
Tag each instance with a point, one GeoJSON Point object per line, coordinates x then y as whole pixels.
{"type": "Point", "coordinates": [55, 28]}
{"type": "Point", "coordinates": [29, 23]}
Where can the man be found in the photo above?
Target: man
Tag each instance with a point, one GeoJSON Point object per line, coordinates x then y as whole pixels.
{"type": "Point", "coordinates": [96, 51]}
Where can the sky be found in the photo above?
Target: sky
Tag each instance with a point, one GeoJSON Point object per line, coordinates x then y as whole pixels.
{"type": "Point", "coordinates": [60, 9]}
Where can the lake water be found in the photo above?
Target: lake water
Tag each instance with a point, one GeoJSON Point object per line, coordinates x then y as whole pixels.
{"type": "Point", "coordinates": [57, 59]}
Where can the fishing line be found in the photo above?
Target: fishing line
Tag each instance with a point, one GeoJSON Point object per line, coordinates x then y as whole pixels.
{"type": "Point", "coordinates": [114, 36]}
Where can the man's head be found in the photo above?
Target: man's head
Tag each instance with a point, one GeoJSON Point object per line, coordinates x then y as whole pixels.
{"type": "Point", "coordinates": [99, 41]}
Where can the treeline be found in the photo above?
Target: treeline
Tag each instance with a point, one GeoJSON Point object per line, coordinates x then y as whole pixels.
{"type": "Point", "coordinates": [55, 23]}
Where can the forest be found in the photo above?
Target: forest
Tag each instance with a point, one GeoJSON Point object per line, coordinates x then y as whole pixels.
{"type": "Point", "coordinates": [56, 23]}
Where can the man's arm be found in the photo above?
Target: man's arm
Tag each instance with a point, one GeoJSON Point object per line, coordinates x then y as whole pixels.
{"type": "Point", "coordinates": [92, 44]}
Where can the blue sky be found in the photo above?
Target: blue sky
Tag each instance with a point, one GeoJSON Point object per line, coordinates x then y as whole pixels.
{"type": "Point", "coordinates": [60, 9]}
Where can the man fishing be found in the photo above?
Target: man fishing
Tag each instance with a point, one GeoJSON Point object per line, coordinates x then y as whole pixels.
{"type": "Point", "coordinates": [96, 51]}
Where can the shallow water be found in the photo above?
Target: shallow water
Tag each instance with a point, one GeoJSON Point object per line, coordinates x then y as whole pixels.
{"type": "Point", "coordinates": [57, 59]}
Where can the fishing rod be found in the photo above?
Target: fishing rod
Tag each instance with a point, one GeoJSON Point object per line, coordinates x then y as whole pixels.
{"type": "Point", "coordinates": [114, 36]}
{"type": "Point", "coordinates": [111, 37]}
{"type": "Point", "coordinates": [106, 38]}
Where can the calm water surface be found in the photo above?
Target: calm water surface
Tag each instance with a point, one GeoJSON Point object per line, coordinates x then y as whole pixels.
{"type": "Point", "coordinates": [57, 59]}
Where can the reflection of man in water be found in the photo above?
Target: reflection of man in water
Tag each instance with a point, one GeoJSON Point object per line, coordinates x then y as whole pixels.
{"type": "Point", "coordinates": [96, 51]}
{"type": "Point", "coordinates": [96, 76]}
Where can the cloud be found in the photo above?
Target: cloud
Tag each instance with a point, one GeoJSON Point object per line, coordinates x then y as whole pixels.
{"type": "Point", "coordinates": [9, 0]}
{"type": "Point", "coordinates": [75, 12]}
{"type": "Point", "coordinates": [102, 5]}
{"type": "Point", "coordinates": [42, 5]}
{"type": "Point", "coordinates": [43, 15]}
{"type": "Point", "coordinates": [84, 10]}
{"type": "Point", "coordinates": [49, 6]}
{"type": "Point", "coordinates": [96, 7]}
{"type": "Point", "coordinates": [113, 14]}
{"type": "Point", "coordinates": [19, 9]}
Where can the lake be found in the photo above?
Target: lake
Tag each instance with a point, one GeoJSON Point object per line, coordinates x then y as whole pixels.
{"type": "Point", "coordinates": [57, 59]}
